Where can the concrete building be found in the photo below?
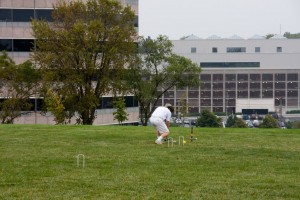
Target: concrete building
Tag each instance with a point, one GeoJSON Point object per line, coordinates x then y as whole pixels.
{"type": "Point", "coordinates": [16, 39]}
{"type": "Point", "coordinates": [237, 74]}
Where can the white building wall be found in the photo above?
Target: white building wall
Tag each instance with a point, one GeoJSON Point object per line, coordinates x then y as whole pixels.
{"type": "Point", "coordinates": [255, 104]}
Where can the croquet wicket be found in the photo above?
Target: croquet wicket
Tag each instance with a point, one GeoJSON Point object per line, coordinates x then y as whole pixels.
{"type": "Point", "coordinates": [78, 160]}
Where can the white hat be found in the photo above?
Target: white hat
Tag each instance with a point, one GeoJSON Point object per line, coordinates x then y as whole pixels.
{"type": "Point", "coordinates": [168, 105]}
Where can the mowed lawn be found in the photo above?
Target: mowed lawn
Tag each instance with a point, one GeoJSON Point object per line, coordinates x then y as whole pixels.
{"type": "Point", "coordinates": [122, 162]}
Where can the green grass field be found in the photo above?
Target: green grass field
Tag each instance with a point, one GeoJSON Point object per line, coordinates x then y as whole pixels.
{"type": "Point", "coordinates": [39, 162]}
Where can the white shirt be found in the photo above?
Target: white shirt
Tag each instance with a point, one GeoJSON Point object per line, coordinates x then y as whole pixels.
{"type": "Point", "coordinates": [163, 113]}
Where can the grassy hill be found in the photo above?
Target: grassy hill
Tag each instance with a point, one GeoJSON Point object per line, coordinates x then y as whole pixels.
{"type": "Point", "coordinates": [40, 162]}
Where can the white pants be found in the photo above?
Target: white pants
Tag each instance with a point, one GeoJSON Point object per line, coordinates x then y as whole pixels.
{"type": "Point", "coordinates": [159, 124]}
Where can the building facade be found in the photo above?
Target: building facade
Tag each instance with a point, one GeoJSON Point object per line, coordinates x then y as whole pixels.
{"type": "Point", "coordinates": [17, 40]}
{"type": "Point", "coordinates": [237, 74]}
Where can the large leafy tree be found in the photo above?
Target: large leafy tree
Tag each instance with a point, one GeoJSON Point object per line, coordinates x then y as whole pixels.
{"type": "Point", "coordinates": [157, 71]}
{"type": "Point", "coordinates": [83, 52]}
{"type": "Point", "coordinates": [208, 119]}
{"type": "Point", "coordinates": [17, 83]}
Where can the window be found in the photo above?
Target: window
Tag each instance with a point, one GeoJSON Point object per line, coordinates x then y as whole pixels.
{"type": "Point", "coordinates": [5, 15]}
{"type": "Point", "coordinates": [23, 45]}
{"type": "Point", "coordinates": [229, 64]}
{"type": "Point", "coordinates": [236, 49]}
{"type": "Point", "coordinates": [193, 50]}
{"type": "Point", "coordinates": [215, 50]}
{"type": "Point", "coordinates": [279, 49]}
{"type": "Point", "coordinates": [5, 44]}
{"type": "Point", "coordinates": [257, 49]}
{"type": "Point", "coordinates": [22, 15]}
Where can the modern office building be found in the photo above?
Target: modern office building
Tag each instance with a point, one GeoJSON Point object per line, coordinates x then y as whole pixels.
{"type": "Point", "coordinates": [239, 74]}
{"type": "Point", "coordinates": [16, 39]}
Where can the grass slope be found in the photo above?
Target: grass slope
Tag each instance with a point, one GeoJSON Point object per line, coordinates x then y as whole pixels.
{"type": "Point", "coordinates": [39, 162]}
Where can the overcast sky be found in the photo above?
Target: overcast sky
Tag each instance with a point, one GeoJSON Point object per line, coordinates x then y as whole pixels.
{"type": "Point", "coordinates": [224, 18]}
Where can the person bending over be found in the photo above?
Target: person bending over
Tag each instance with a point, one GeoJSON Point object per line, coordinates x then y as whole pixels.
{"type": "Point", "coordinates": [160, 119]}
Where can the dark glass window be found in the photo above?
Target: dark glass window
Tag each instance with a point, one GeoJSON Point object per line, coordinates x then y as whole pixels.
{"type": "Point", "coordinates": [44, 15]}
{"type": "Point", "coordinates": [257, 49]}
{"type": "Point", "coordinates": [5, 15]}
{"type": "Point", "coordinates": [230, 94]}
{"type": "Point", "coordinates": [242, 86]}
{"type": "Point", "coordinates": [279, 49]}
{"type": "Point", "coordinates": [292, 77]}
{"type": "Point", "coordinates": [236, 49]}
{"type": "Point", "coordinates": [292, 85]}
{"type": "Point", "coordinates": [279, 93]}
{"type": "Point", "coordinates": [169, 94]}
{"type": "Point", "coordinates": [217, 77]}
{"type": "Point", "coordinates": [279, 102]}
{"type": "Point", "coordinates": [205, 102]}
{"type": "Point", "coordinates": [254, 77]}
{"type": "Point", "coordinates": [205, 86]}
{"type": "Point", "coordinates": [215, 50]}
{"type": "Point", "coordinates": [217, 102]}
{"type": "Point", "coordinates": [217, 94]}
{"type": "Point", "coordinates": [23, 15]}
{"type": "Point", "coordinates": [255, 85]}
{"type": "Point", "coordinates": [267, 85]}
{"type": "Point", "coordinates": [193, 50]}
{"type": "Point", "coordinates": [193, 94]}
{"type": "Point", "coordinates": [136, 21]}
{"type": "Point", "coordinates": [230, 85]}
{"type": "Point", "coordinates": [255, 94]}
{"type": "Point", "coordinates": [292, 93]}
{"type": "Point", "coordinates": [205, 94]}
{"type": "Point", "coordinates": [5, 44]}
{"type": "Point", "coordinates": [279, 77]}
{"type": "Point", "coordinates": [23, 45]}
{"type": "Point", "coordinates": [267, 94]}
{"type": "Point", "coordinates": [267, 77]}
{"type": "Point", "coordinates": [279, 85]}
{"type": "Point", "coordinates": [217, 86]}
{"type": "Point", "coordinates": [205, 77]}
{"type": "Point", "coordinates": [242, 77]}
{"type": "Point", "coordinates": [242, 94]}
{"type": "Point", "coordinates": [229, 64]}
{"type": "Point", "coordinates": [230, 77]}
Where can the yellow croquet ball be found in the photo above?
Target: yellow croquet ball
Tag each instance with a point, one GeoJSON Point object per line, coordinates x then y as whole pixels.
{"type": "Point", "coordinates": [184, 141]}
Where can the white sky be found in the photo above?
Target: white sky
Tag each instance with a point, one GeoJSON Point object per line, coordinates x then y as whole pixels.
{"type": "Point", "coordinates": [224, 18]}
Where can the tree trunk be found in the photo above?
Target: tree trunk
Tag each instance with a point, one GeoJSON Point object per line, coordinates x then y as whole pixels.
{"type": "Point", "coordinates": [88, 117]}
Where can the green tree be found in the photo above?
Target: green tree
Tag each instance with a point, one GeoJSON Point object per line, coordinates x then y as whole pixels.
{"type": "Point", "coordinates": [239, 123]}
{"type": "Point", "coordinates": [291, 35]}
{"type": "Point", "coordinates": [230, 121]}
{"type": "Point", "coordinates": [18, 83]}
{"type": "Point", "coordinates": [268, 36]}
{"type": "Point", "coordinates": [84, 51]}
{"type": "Point", "coordinates": [120, 114]}
{"type": "Point", "coordinates": [54, 104]}
{"type": "Point", "coordinates": [269, 122]}
{"type": "Point", "coordinates": [208, 119]}
{"type": "Point", "coordinates": [235, 122]}
{"type": "Point", "coordinates": [157, 71]}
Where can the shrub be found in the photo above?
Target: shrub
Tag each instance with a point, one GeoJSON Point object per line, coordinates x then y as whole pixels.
{"type": "Point", "coordinates": [269, 122]}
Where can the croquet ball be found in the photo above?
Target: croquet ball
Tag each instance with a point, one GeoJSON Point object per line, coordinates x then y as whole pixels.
{"type": "Point", "coordinates": [184, 142]}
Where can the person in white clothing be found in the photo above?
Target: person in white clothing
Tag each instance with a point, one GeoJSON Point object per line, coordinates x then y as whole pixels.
{"type": "Point", "coordinates": [160, 119]}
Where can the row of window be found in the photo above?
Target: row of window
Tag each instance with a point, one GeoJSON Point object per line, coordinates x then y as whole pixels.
{"type": "Point", "coordinates": [228, 64]}
{"type": "Point", "coordinates": [105, 103]}
{"type": "Point", "coordinates": [249, 77]}
{"type": "Point", "coordinates": [16, 45]}
{"type": "Point", "coordinates": [235, 49]}
{"type": "Point", "coordinates": [26, 15]}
